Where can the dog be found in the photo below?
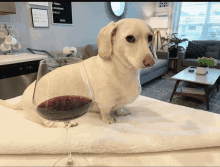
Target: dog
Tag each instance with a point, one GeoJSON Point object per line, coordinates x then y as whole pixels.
{"type": "Point", "coordinates": [123, 49]}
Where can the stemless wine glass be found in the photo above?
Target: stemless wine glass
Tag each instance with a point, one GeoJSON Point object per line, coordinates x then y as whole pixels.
{"type": "Point", "coordinates": [62, 93]}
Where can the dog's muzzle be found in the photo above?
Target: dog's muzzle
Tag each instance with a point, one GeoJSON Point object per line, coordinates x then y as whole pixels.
{"type": "Point", "coordinates": [148, 62]}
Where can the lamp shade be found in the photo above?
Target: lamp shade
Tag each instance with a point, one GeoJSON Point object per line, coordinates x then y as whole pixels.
{"type": "Point", "coordinates": [159, 22]}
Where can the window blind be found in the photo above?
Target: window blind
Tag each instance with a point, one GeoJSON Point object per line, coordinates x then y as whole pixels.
{"type": "Point", "coordinates": [200, 20]}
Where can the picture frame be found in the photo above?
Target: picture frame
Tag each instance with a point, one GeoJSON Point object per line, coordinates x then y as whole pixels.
{"type": "Point", "coordinates": [59, 17]}
{"type": "Point", "coordinates": [39, 3]}
{"type": "Point", "coordinates": [40, 18]}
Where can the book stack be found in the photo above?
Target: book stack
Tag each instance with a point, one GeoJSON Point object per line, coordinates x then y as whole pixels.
{"type": "Point", "coordinates": [193, 89]}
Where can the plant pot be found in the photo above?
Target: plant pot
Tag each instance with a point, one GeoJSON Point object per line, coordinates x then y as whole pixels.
{"type": "Point", "coordinates": [201, 70]}
{"type": "Point", "coordinates": [173, 53]}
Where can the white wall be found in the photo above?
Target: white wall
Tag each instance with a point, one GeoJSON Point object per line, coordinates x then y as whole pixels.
{"type": "Point", "coordinates": [148, 9]}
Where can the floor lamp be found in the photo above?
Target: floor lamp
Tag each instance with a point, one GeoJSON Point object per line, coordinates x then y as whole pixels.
{"type": "Point", "coordinates": [158, 23]}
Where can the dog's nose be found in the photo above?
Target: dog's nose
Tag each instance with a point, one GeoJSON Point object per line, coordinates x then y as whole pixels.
{"type": "Point", "coordinates": [148, 61]}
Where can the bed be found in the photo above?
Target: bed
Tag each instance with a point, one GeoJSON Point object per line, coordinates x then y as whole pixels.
{"type": "Point", "coordinates": [155, 134]}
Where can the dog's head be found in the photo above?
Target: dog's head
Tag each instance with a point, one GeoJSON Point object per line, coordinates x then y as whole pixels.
{"type": "Point", "coordinates": [130, 41]}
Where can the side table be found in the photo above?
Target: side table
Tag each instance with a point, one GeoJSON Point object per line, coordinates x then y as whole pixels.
{"type": "Point", "coordinates": [175, 63]}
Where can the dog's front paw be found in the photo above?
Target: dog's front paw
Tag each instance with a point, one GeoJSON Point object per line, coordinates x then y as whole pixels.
{"type": "Point", "coordinates": [122, 111]}
{"type": "Point", "coordinates": [107, 118]}
{"type": "Point", "coordinates": [73, 124]}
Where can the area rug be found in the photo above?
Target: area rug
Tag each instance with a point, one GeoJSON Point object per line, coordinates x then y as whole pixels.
{"type": "Point", "coordinates": [162, 89]}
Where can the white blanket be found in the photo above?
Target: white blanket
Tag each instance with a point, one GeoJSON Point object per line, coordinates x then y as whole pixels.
{"type": "Point", "coordinates": [154, 126]}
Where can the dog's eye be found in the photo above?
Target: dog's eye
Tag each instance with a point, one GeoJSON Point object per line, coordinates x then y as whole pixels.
{"type": "Point", "coordinates": [130, 38]}
{"type": "Point", "coordinates": [150, 37]}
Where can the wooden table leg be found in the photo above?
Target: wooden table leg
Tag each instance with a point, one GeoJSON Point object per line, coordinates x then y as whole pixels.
{"type": "Point", "coordinates": [207, 96]}
{"type": "Point", "coordinates": [218, 80]}
{"type": "Point", "coordinates": [175, 66]}
{"type": "Point", "coordinates": [174, 90]}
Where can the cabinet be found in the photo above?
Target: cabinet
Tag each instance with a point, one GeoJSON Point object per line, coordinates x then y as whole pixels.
{"type": "Point", "coordinates": [12, 70]}
{"type": "Point", "coordinates": [7, 8]}
{"type": "Point", "coordinates": [15, 78]}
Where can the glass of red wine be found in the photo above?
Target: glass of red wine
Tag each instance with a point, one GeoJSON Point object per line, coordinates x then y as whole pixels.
{"type": "Point", "coordinates": [62, 93]}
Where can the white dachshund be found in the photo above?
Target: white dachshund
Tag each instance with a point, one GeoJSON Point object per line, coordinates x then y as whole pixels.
{"type": "Point", "coordinates": [123, 49]}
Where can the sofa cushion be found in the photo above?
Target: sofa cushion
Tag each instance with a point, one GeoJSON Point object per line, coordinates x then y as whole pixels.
{"type": "Point", "coordinates": [218, 64]}
{"type": "Point", "coordinates": [212, 48]}
{"type": "Point", "coordinates": [212, 54]}
{"type": "Point", "coordinates": [92, 50]}
{"type": "Point", "coordinates": [190, 62]}
{"type": "Point", "coordinates": [212, 51]}
{"type": "Point", "coordinates": [145, 71]}
{"type": "Point", "coordinates": [193, 62]}
{"type": "Point", "coordinates": [212, 43]}
{"type": "Point", "coordinates": [159, 63]}
{"type": "Point", "coordinates": [195, 50]}
{"type": "Point", "coordinates": [82, 52]}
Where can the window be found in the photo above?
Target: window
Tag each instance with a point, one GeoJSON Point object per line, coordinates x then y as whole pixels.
{"type": "Point", "coordinates": [200, 20]}
{"type": "Point", "coordinates": [192, 27]}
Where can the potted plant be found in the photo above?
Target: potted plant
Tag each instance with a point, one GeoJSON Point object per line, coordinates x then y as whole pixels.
{"type": "Point", "coordinates": [174, 48]}
{"type": "Point", "coordinates": [203, 63]}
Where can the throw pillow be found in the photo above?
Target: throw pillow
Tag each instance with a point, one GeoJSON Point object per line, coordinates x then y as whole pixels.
{"type": "Point", "coordinates": [92, 50]}
{"type": "Point", "coordinates": [195, 50]}
{"type": "Point", "coordinates": [82, 52]}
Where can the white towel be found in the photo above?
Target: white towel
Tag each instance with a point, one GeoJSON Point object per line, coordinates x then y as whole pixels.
{"type": "Point", "coordinates": [154, 126]}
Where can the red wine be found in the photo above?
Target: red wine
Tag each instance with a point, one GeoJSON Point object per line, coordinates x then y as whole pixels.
{"type": "Point", "coordinates": [64, 108]}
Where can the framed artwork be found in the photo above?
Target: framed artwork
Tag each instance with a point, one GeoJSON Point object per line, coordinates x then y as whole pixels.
{"type": "Point", "coordinates": [39, 3]}
{"type": "Point", "coordinates": [62, 13]}
{"type": "Point", "coordinates": [40, 18]}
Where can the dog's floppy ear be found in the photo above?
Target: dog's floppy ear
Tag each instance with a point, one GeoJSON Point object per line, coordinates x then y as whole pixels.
{"type": "Point", "coordinates": [104, 40]}
{"type": "Point", "coordinates": [152, 45]}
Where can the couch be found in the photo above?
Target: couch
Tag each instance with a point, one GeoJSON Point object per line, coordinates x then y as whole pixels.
{"type": "Point", "coordinates": [146, 75]}
{"type": "Point", "coordinates": [183, 63]}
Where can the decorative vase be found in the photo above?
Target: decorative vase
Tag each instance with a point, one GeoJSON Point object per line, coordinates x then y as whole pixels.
{"type": "Point", "coordinates": [202, 70]}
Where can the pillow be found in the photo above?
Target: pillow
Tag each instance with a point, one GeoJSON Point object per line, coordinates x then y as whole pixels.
{"type": "Point", "coordinates": [195, 50]}
{"type": "Point", "coordinates": [82, 51]}
{"type": "Point", "coordinates": [92, 50]}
